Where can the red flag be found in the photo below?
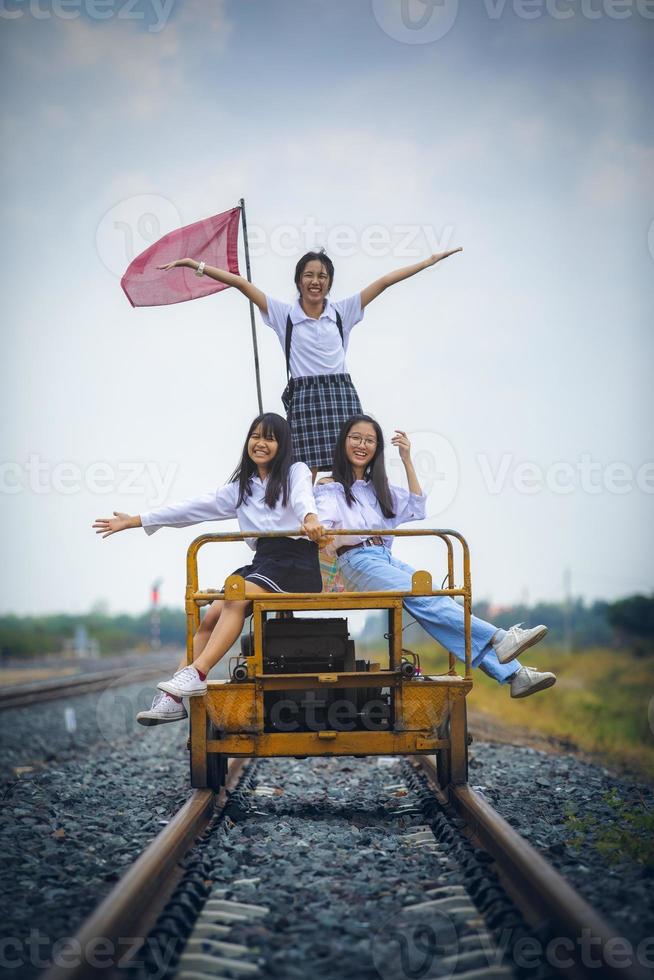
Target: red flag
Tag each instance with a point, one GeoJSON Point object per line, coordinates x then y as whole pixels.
{"type": "Point", "coordinates": [213, 240]}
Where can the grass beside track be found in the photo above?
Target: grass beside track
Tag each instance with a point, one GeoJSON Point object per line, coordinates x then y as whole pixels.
{"type": "Point", "coordinates": [603, 702]}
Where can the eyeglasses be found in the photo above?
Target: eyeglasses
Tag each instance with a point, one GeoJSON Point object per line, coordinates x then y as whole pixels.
{"type": "Point", "coordinates": [366, 441]}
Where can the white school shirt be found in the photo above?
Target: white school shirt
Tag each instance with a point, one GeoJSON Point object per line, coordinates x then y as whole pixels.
{"type": "Point", "coordinates": [334, 510]}
{"type": "Point", "coordinates": [316, 346]}
{"type": "Point", "coordinates": [252, 515]}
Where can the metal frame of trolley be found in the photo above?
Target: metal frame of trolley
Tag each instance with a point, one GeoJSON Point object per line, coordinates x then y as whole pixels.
{"type": "Point", "coordinates": [427, 715]}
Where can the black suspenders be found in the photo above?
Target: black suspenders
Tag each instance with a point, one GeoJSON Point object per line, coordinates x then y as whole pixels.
{"type": "Point", "coordinates": [289, 334]}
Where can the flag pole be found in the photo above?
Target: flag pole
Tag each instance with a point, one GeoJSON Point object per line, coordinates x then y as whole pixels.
{"type": "Point", "coordinates": [252, 323]}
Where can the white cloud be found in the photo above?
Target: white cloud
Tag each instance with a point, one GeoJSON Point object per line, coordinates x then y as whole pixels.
{"type": "Point", "coordinates": [122, 67]}
{"type": "Point", "coordinates": [505, 350]}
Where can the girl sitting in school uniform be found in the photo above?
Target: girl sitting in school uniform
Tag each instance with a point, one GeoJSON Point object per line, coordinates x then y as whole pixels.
{"type": "Point", "coordinates": [314, 332]}
{"type": "Point", "coordinates": [359, 496]}
{"type": "Point", "coordinates": [266, 492]}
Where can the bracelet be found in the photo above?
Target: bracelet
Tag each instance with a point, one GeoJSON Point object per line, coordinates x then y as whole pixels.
{"type": "Point", "coordinates": [200, 269]}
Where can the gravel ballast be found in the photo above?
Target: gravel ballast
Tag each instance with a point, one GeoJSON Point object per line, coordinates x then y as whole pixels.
{"type": "Point", "coordinates": [541, 795]}
{"type": "Point", "coordinates": [80, 805]}
{"type": "Point", "coordinates": [77, 810]}
{"type": "Point", "coordinates": [327, 868]}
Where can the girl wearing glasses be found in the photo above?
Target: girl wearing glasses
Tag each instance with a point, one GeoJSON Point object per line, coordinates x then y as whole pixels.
{"type": "Point", "coordinates": [359, 496]}
{"type": "Point", "coordinates": [266, 492]}
{"type": "Point", "coordinates": [314, 332]}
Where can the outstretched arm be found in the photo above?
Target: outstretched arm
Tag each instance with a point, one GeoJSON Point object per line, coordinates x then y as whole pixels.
{"type": "Point", "coordinates": [119, 522]}
{"type": "Point", "coordinates": [215, 505]}
{"type": "Point", "coordinates": [221, 275]}
{"type": "Point", "coordinates": [375, 288]}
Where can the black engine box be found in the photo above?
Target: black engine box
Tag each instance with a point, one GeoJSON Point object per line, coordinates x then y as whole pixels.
{"type": "Point", "coordinates": [300, 646]}
{"type": "Point", "coordinates": [317, 645]}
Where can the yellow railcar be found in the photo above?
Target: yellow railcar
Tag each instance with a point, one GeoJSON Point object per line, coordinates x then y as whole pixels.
{"type": "Point", "coordinates": [298, 688]}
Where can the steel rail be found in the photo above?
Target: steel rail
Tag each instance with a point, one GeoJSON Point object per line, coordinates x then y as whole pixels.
{"type": "Point", "coordinates": [115, 931]}
{"type": "Point", "coordinates": [122, 921]}
{"type": "Point", "coordinates": [538, 890]}
{"type": "Point", "coordinates": [25, 694]}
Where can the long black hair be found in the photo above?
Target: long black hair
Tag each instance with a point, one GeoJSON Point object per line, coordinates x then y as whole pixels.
{"type": "Point", "coordinates": [375, 471]}
{"type": "Point", "coordinates": [321, 257]}
{"type": "Point", "coordinates": [273, 426]}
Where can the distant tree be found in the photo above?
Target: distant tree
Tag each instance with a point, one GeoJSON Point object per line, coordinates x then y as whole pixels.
{"type": "Point", "coordinates": [632, 620]}
{"type": "Point", "coordinates": [587, 624]}
{"type": "Point", "coordinates": [31, 636]}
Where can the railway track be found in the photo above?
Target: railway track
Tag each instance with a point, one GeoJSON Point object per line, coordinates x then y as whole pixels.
{"type": "Point", "coordinates": [22, 695]}
{"type": "Point", "coordinates": [486, 904]}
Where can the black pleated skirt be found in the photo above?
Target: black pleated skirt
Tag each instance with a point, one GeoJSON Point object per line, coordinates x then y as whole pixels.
{"type": "Point", "coordinates": [284, 565]}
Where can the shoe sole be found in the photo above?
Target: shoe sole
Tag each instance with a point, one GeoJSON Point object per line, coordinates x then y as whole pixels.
{"type": "Point", "coordinates": [525, 646]}
{"type": "Point", "coordinates": [540, 686]}
{"type": "Point", "coordinates": [170, 688]}
{"type": "Point", "coordinates": [149, 721]}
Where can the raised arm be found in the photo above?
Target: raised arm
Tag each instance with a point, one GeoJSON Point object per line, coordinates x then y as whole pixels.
{"type": "Point", "coordinates": [221, 275]}
{"type": "Point", "coordinates": [375, 288]}
{"type": "Point", "coordinates": [401, 440]}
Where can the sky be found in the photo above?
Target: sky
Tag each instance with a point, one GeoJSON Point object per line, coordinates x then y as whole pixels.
{"type": "Point", "coordinates": [385, 130]}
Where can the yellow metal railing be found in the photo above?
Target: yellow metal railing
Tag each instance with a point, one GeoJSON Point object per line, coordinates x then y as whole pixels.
{"type": "Point", "coordinates": [236, 587]}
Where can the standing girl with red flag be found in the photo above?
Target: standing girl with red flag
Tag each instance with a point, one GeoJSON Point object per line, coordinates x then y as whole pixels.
{"type": "Point", "coordinates": [314, 332]}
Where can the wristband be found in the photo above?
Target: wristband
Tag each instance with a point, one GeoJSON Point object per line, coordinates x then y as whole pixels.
{"type": "Point", "coordinates": [200, 269]}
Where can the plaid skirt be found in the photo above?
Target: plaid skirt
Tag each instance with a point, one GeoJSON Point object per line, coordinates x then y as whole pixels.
{"type": "Point", "coordinates": [319, 406]}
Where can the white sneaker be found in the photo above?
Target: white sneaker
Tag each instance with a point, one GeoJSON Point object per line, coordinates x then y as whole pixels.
{"type": "Point", "coordinates": [164, 709]}
{"type": "Point", "coordinates": [529, 680]}
{"type": "Point", "coordinates": [184, 683]}
{"type": "Point", "coordinates": [517, 641]}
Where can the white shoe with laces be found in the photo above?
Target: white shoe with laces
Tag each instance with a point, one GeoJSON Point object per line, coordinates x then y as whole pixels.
{"type": "Point", "coordinates": [529, 680]}
{"type": "Point", "coordinates": [164, 709]}
{"type": "Point", "coordinates": [184, 683]}
{"type": "Point", "coordinates": [517, 641]}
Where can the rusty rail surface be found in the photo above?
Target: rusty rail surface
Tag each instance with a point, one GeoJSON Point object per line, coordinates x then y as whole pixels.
{"type": "Point", "coordinates": [538, 890]}
{"type": "Point", "coordinates": [21, 695]}
{"type": "Point", "coordinates": [115, 931]}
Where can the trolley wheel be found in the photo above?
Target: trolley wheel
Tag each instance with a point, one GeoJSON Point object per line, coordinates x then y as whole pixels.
{"type": "Point", "coordinates": [216, 763]}
{"type": "Point", "coordinates": [212, 770]}
{"type": "Point", "coordinates": [445, 765]}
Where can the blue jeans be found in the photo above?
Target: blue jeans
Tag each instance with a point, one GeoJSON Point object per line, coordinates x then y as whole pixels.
{"type": "Point", "coordinates": [376, 570]}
